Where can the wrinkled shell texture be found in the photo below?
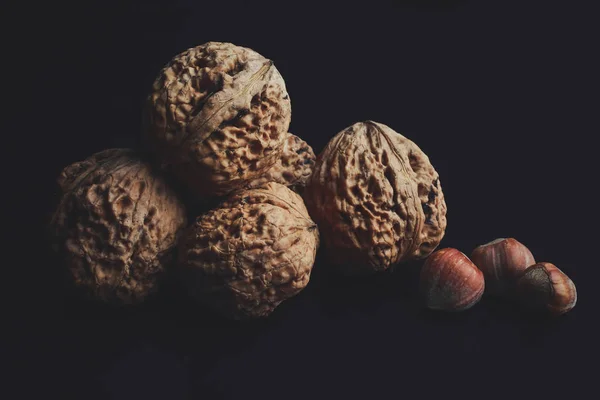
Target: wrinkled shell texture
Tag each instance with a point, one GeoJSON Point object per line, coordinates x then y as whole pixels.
{"type": "Point", "coordinates": [376, 198]}
{"type": "Point", "coordinates": [293, 168]}
{"type": "Point", "coordinates": [250, 254]}
{"type": "Point", "coordinates": [218, 117]}
{"type": "Point", "coordinates": [115, 226]}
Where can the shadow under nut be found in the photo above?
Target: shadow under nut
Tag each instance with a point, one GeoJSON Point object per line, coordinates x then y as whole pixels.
{"type": "Point", "coordinates": [377, 199]}
{"type": "Point", "coordinates": [217, 117]}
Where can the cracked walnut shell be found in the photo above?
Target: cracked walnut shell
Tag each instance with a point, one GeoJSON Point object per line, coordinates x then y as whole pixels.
{"type": "Point", "coordinates": [217, 117]}
{"type": "Point", "coordinates": [254, 251]}
{"type": "Point", "coordinates": [115, 226]}
{"type": "Point", "coordinates": [376, 199]}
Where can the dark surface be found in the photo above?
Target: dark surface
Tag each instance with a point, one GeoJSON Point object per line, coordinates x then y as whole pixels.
{"type": "Point", "coordinates": [498, 95]}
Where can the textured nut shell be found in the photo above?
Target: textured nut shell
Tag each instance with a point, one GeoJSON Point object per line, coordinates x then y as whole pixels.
{"type": "Point", "coordinates": [293, 168]}
{"type": "Point", "coordinates": [449, 281]}
{"type": "Point", "coordinates": [544, 287]}
{"type": "Point", "coordinates": [376, 198]}
{"type": "Point", "coordinates": [250, 254]}
{"type": "Point", "coordinates": [116, 225]}
{"type": "Point", "coordinates": [218, 115]}
{"type": "Point", "coordinates": [501, 261]}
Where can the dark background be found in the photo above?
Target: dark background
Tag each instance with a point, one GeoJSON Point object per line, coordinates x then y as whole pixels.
{"type": "Point", "coordinates": [498, 94]}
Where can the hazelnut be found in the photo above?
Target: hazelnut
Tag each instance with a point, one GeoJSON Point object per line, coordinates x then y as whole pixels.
{"type": "Point", "coordinates": [544, 287]}
{"type": "Point", "coordinates": [501, 261]}
{"type": "Point", "coordinates": [450, 281]}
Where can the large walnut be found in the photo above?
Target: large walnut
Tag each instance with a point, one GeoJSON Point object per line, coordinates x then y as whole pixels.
{"type": "Point", "coordinates": [116, 226]}
{"type": "Point", "coordinates": [293, 168]}
{"type": "Point", "coordinates": [217, 117]}
{"type": "Point", "coordinates": [251, 253]}
{"type": "Point", "coordinates": [376, 198]}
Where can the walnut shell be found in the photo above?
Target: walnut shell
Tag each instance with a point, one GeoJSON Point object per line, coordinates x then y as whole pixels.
{"type": "Point", "coordinates": [376, 199]}
{"type": "Point", "coordinates": [293, 168]}
{"type": "Point", "coordinates": [217, 117]}
{"type": "Point", "coordinates": [116, 226]}
{"type": "Point", "coordinates": [256, 250]}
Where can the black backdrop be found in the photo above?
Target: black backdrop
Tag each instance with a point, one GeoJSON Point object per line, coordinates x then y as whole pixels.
{"type": "Point", "coordinates": [499, 95]}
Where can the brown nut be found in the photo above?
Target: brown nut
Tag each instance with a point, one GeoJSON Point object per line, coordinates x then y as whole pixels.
{"type": "Point", "coordinates": [217, 117]}
{"type": "Point", "coordinates": [544, 287]}
{"type": "Point", "coordinates": [254, 251]}
{"type": "Point", "coordinates": [449, 281]}
{"type": "Point", "coordinates": [501, 261]}
{"type": "Point", "coordinates": [293, 168]}
{"type": "Point", "coordinates": [116, 225]}
{"type": "Point", "coordinates": [376, 198]}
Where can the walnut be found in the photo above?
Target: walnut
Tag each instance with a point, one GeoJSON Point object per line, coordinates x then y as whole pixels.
{"type": "Point", "coordinates": [254, 251]}
{"type": "Point", "coordinates": [116, 225]}
{"type": "Point", "coordinates": [217, 117]}
{"type": "Point", "coordinates": [376, 199]}
{"type": "Point", "coordinates": [293, 168]}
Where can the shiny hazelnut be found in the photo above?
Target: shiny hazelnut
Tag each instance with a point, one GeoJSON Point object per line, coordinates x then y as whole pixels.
{"type": "Point", "coordinates": [544, 287]}
{"type": "Point", "coordinates": [501, 261]}
{"type": "Point", "coordinates": [449, 281]}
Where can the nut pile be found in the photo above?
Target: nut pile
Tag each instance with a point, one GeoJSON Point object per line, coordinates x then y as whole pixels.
{"type": "Point", "coordinates": [215, 127]}
{"type": "Point", "coordinates": [216, 131]}
{"type": "Point", "coordinates": [505, 268]}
